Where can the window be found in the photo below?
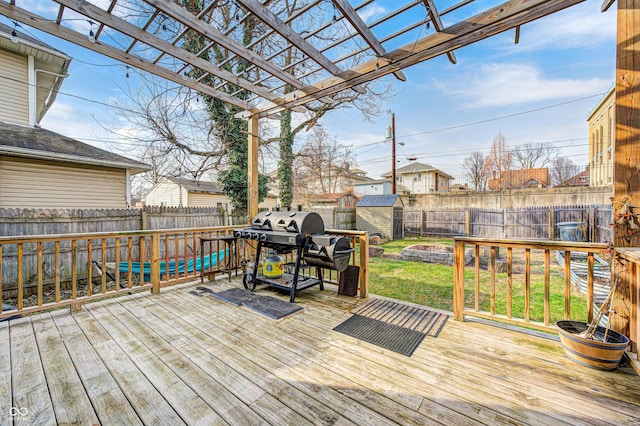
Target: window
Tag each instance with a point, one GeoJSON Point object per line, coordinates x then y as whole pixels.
{"type": "Point", "coordinates": [417, 177]}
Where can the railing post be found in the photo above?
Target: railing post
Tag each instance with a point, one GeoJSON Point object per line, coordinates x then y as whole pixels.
{"type": "Point", "coordinates": [364, 265]}
{"type": "Point", "coordinates": [458, 281]}
{"type": "Point", "coordinates": [552, 221]}
{"type": "Point", "coordinates": [155, 263]}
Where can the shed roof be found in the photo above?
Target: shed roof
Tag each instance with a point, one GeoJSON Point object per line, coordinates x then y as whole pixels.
{"type": "Point", "coordinates": [203, 187]}
{"type": "Point", "coordinates": [43, 144]}
{"type": "Point", "coordinates": [378, 200]}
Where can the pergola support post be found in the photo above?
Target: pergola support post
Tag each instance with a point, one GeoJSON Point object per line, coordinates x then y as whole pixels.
{"type": "Point", "coordinates": [252, 172]}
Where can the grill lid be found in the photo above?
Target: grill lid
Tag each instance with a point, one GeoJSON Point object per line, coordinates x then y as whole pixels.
{"type": "Point", "coordinates": [305, 223]}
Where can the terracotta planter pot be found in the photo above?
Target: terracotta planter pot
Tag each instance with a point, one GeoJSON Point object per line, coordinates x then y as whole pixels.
{"type": "Point", "coordinates": [592, 353]}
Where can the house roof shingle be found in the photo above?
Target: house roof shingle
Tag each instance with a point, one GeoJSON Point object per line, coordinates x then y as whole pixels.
{"type": "Point", "coordinates": [417, 167]}
{"type": "Point", "coordinates": [203, 187]}
{"type": "Point", "coordinates": [516, 179]}
{"type": "Point", "coordinates": [39, 143]}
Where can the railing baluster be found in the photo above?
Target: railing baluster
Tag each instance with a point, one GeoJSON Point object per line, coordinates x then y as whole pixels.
{"type": "Point", "coordinates": [176, 252]}
{"type": "Point", "coordinates": [186, 254]}
{"type": "Point", "coordinates": [74, 270]}
{"type": "Point", "coordinates": [527, 285]}
{"type": "Point", "coordinates": [89, 268]}
{"type": "Point", "coordinates": [509, 282]}
{"type": "Point", "coordinates": [166, 258]}
{"type": "Point", "coordinates": [116, 256]}
{"type": "Point", "coordinates": [493, 280]}
{"type": "Point", "coordinates": [567, 285]}
{"type": "Point", "coordinates": [141, 249]}
{"type": "Point", "coordinates": [129, 262]}
{"type": "Point", "coordinates": [20, 278]}
{"type": "Point", "coordinates": [547, 286]}
{"type": "Point", "coordinates": [103, 263]}
{"type": "Point", "coordinates": [57, 270]}
{"type": "Point", "coordinates": [477, 271]}
{"type": "Point", "coordinates": [39, 267]}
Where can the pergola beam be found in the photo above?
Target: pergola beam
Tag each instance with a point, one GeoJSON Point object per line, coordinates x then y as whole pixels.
{"type": "Point", "coordinates": [358, 24]}
{"type": "Point", "coordinates": [437, 24]}
{"type": "Point", "coordinates": [28, 18]}
{"type": "Point", "coordinates": [493, 21]}
{"type": "Point", "coordinates": [191, 21]}
{"type": "Point", "coordinates": [124, 27]}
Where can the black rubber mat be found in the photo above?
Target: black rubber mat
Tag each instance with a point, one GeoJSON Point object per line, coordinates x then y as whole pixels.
{"type": "Point", "coordinates": [265, 305]}
{"type": "Point", "coordinates": [412, 317]}
{"type": "Point", "coordinates": [389, 336]}
{"type": "Point", "coordinates": [235, 296]}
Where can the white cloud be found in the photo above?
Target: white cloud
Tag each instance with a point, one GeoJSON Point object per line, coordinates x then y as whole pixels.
{"type": "Point", "coordinates": [514, 84]}
{"type": "Point", "coordinates": [579, 26]}
{"type": "Point", "coordinates": [372, 12]}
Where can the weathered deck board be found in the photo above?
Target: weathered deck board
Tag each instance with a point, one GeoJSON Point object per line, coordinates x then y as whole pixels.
{"type": "Point", "coordinates": [101, 388]}
{"type": "Point", "coordinates": [178, 358]}
{"type": "Point", "coordinates": [28, 383]}
{"type": "Point", "coordinates": [70, 401]}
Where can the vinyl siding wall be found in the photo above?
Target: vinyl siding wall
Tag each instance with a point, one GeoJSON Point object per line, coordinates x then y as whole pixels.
{"type": "Point", "coordinates": [14, 98]}
{"type": "Point", "coordinates": [28, 183]}
{"type": "Point", "coordinates": [207, 200]}
{"type": "Point", "coordinates": [166, 194]}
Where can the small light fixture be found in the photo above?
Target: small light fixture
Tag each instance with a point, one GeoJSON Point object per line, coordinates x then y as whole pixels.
{"type": "Point", "coordinates": [127, 74]}
{"type": "Point", "coordinates": [335, 18]}
{"type": "Point", "coordinates": [14, 33]}
{"type": "Point", "coordinates": [92, 35]}
{"type": "Point", "coordinates": [428, 25]}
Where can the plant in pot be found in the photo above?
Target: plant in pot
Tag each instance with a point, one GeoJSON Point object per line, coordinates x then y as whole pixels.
{"type": "Point", "coordinates": [590, 344]}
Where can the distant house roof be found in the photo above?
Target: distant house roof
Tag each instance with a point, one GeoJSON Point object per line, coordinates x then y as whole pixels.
{"type": "Point", "coordinates": [378, 200]}
{"type": "Point", "coordinates": [416, 167]}
{"type": "Point", "coordinates": [42, 144]}
{"type": "Point", "coordinates": [203, 187]}
{"type": "Point", "coordinates": [581, 179]}
{"type": "Point", "coordinates": [519, 179]}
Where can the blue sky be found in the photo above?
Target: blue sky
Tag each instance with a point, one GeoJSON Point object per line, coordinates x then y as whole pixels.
{"type": "Point", "coordinates": [548, 83]}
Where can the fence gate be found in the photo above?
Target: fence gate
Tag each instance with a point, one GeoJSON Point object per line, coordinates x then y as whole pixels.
{"type": "Point", "coordinates": [397, 223]}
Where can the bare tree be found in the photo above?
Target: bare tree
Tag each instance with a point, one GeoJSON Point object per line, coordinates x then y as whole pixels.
{"type": "Point", "coordinates": [322, 163]}
{"type": "Point", "coordinates": [532, 155]}
{"type": "Point", "coordinates": [475, 170]}
{"type": "Point", "coordinates": [562, 170]}
{"type": "Point", "coordinates": [499, 159]}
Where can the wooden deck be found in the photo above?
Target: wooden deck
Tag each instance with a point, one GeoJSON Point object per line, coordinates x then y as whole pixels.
{"type": "Point", "coordinates": [177, 358]}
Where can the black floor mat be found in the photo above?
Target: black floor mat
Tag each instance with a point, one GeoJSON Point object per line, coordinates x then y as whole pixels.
{"type": "Point", "coordinates": [265, 305]}
{"type": "Point", "coordinates": [389, 336]}
{"type": "Point", "coordinates": [412, 317]}
{"type": "Point", "coordinates": [271, 307]}
{"type": "Point", "coordinates": [235, 296]}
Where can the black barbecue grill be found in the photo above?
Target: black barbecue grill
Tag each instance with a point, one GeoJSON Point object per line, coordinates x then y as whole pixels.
{"type": "Point", "coordinates": [302, 232]}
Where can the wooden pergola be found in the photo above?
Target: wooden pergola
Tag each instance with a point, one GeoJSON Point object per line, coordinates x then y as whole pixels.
{"type": "Point", "coordinates": [150, 35]}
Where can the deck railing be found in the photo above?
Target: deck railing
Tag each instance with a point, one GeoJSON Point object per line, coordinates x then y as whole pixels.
{"type": "Point", "coordinates": [471, 306]}
{"type": "Point", "coordinates": [41, 272]}
{"type": "Point", "coordinates": [479, 286]}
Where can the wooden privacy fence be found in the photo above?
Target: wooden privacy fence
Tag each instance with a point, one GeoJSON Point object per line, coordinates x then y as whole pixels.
{"type": "Point", "coordinates": [524, 223]}
{"type": "Point", "coordinates": [48, 271]}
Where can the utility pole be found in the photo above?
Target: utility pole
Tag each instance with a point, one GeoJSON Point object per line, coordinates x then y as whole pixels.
{"type": "Point", "coordinates": [393, 153]}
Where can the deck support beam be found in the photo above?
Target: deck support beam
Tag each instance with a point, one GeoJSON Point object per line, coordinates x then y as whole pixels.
{"type": "Point", "coordinates": [626, 169]}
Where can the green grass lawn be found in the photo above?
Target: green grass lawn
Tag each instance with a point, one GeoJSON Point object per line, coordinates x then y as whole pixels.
{"type": "Point", "coordinates": [432, 285]}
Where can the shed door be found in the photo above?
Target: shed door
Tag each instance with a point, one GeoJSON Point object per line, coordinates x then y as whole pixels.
{"type": "Point", "coordinates": [397, 223]}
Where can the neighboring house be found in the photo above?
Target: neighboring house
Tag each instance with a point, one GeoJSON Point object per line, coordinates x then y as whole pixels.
{"type": "Point", "coordinates": [581, 179]}
{"type": "Point", "coordinates": [602, 125]}
{"type": "Point", "coordinates": [521, 179]}
{"type": "Point", "coordinates": [419, 178]}
{"type": "Point", "coordinates": [342, 200]}
{"type": "Point", "coordinates": [40, 168]}
{"type": "Point", "coordinates": [459, 188]}
{"type": "Point", "coordinates": [374, 187]}
{"type": "Point", "coordinates": [180, 192]}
